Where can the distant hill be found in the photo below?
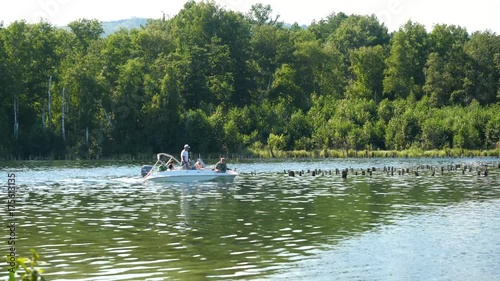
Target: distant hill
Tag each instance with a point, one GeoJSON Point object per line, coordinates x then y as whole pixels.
{"type": "Point", "coordinates": [113, 26]}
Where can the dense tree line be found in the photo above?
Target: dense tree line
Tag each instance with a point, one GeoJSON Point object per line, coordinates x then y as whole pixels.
{"type": "Point", "coordinates": [226, 81]}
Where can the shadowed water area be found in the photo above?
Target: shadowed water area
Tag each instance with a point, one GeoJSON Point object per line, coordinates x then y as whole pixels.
{"type": "Point", "coordinates": [99, 221]}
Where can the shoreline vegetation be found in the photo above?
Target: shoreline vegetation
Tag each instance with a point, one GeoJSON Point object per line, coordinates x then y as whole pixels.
{"type": "Point", "coordinates": [295, 154]}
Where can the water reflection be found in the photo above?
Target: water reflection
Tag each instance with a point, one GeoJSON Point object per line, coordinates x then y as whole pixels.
{"type": "Point", "coordinates": [103, 223]}
{"type": "Point", "coordinates": [424, 246]}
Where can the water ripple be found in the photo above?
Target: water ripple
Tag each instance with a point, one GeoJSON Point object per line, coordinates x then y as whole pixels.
{"type": "Point", "coordinates": [102, 223]}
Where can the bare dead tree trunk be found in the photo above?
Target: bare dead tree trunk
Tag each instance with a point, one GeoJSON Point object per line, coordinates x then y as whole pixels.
{"type": "Point", "coordinates": [105, 114]}
{"type": "Point", "coordinates": [49, 103]}
{"type": "Point", "coordinates": [43, 116]}
{"type": "Point", "coordinates": [62, 115]}
{"type": "Point", "coordinates": [16, 124]}
{"type": "Point", "coordinates": [87, 136]}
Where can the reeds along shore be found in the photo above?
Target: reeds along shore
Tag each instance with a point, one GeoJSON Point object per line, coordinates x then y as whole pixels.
{"type": "Point", "coordinates": [410, 153]}
{"type": "Point", "coordinates": [296, 154]}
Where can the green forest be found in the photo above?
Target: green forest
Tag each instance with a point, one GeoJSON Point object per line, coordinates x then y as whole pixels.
{"type": "Point", "coordinates": [231, 82]}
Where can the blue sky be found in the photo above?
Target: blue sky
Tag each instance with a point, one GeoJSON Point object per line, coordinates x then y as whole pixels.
{"type": "Point", "coordinates": [473, 15]}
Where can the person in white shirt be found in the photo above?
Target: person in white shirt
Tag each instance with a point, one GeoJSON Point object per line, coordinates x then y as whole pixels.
{"type": "Point", "coordinates": [185, 157]}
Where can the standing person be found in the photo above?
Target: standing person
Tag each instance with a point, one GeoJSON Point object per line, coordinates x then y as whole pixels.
{"type": "Point", "coordinates": [185, 157]}
{"type": "Point", "coordinates": [221, 166]}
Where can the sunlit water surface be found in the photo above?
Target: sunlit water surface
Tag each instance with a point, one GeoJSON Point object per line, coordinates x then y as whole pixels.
{"type": "Point", "coordinates": [99, 221]}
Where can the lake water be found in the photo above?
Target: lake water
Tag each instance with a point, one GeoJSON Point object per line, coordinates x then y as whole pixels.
{"type": "Point", "coordinates": [99, 221]}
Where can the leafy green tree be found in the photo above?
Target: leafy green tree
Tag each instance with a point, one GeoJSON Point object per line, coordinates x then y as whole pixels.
{"type": "Point", "coordinates": [482, 77]}
{"type": "Point", "coordinates": [30, 58]}
{"type": "Point", "coordinates": [319, 68]}
{"type": "Point", "coordinates": [323, 28]}
{"type": "Point", "coordinates": [339, 133]}
{"type": "Point", "coordinates": [467, 136]}
{"type": "Point", "coordinates": [357, 139]}
{"type": "Point", "coordinates": [376, 134]}
{"type": "Point", "coordinates": [275, 143]}
{"type": "Point", "coordinates": [244, 119]}
{"type": "Point", "coordinates": [127, 102]}
{"type": "Point", "coordinates": [269, 117]}
{"type": "Point", "coordinates": [217, 121]}
{"type": "Point", "coordinates": [204, 29]}
{"type": "Point", "coordinates": [345, 124]}
{"type": "Point", "coordinates": [298, 130]}
{"type": "Point", "coordinates": [153, 40]}
{"type": "Point", "coordinates": [385, 110]}
{"type": "Point", "coordinates": [197, 129]}
{"type": "Point", "coordinates": [404, 75]}
{"type": "Point", "coordinates": [271, 47]}
{"type": "Point", "coordinates": [4, 78]}
{"type": "Point", "coordinates": [446, 66]}
{"type": "Point", "coordinates": [237, 37]}
{"type": "Point", "coordinates": [86, 31]}
{"type": "Point", "coordinates": [85, 86]}
{"type": "Point", "coordinates": [329, 72]}
{"type": "Point", "coordinates": [492, 130]}
{"type": "Point", "coordinates": [233, 139]}
{"type": "Point", "coordinates": [220, 78]}
{"type": "Point", "coordinates": [469, 128]}
{"type": "Point", "coordinates": [438, 81]}
{"type": "Point", "coordinates": [359, 31]}
{"type": "Point", "coordinates": [367, 65]}
{"type": "Point", "coordinates": [448, 39]}
{"type": "Point", "coordinates": [263, 15]}
{"type": "Point", "coordinates": [402, 131]}
{"type": "Point", "coordinates": [436, 132]}
{"type": "Point", "coordinates": [284, 86]}
{"type": "Point", "coordinates": [116, 50]}
{"type": "Point", "coordinates": [308, 58]}
{"type": "Point", "coordinates": [7, 105]}
{"type": "Point", "coordinates": [82, 73]}
{"type": "Point", "coordinates": [359, 111]}
{"type": "Point", "coordinates": [163, 104]}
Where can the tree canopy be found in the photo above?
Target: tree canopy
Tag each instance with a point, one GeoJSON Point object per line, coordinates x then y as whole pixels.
{"type": "Point", "coordinates": [224, 81]}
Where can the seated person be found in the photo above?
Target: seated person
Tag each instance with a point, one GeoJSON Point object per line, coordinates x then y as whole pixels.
{"type": "Point", "coordinates": [162, 167]}
{"type": "Point", "coordinates": [198, 165]}
{"type": "Point", "coordinates": [221, 166]}
{"type": "Point", "coordinates": [170, 164]}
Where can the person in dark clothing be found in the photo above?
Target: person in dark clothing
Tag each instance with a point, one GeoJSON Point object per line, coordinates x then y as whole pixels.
{"type": "Point", "coordinates": [221, 166]}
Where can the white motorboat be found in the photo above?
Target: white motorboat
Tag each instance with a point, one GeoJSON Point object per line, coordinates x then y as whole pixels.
{"type": "Point", "coordinates": [178, 174]}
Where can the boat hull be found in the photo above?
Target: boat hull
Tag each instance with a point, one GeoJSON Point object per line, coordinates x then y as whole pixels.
{"type": "Point", "coordinates": [190, 176]}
